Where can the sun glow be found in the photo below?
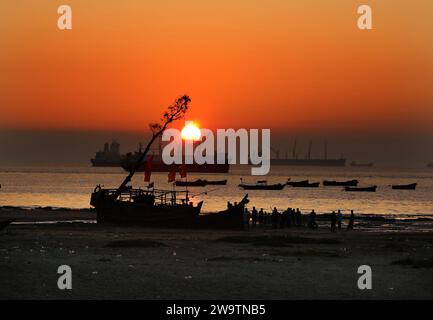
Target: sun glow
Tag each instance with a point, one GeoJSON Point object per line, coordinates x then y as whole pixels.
{"type": "Point", "coordinates": [191, 131]}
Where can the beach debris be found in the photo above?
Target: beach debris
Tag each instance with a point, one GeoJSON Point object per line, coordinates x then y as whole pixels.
{"type": "Point", "coordinates": [188, 277]}
{"type": "Point", "coordinates": [131, 266]}
{"type": "Point", "coordinates": [71, 251]}
{"type": "Point", "coordinates": [94, 272]}
{"type": "Point", "coordinates": [174, 253]}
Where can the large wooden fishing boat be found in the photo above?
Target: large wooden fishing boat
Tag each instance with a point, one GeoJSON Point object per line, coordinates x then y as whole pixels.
{"type": "Point", "coordinates": [149, 208]}
{"type": "Point", "coordinates": [162, 208]}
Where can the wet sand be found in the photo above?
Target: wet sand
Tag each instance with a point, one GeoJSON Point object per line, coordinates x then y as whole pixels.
{"type": "Point", "coordinates": [137, 263]}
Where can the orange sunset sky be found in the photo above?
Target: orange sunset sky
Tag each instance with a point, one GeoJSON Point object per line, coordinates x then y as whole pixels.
{"type": "Point", "coordinates": [287, 65]}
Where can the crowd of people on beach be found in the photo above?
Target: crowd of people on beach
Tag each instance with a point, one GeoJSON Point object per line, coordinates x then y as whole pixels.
{"type": "Point", "coordinates": [294, 218]}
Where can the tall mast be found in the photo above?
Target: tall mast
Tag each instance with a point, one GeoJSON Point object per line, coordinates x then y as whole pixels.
{"type": "Point", "coordinates": [175, 112]}
{"type": "Point", "coordinates": [294, 151]}
{"type": "Point", "coordinates": [309, 150]}
{"type": "Point", "coordinates": [326, 150]}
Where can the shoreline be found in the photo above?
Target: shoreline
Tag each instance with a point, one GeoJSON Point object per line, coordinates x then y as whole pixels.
{"type": "Point", "coordinates": [113, 262]}
{"type": "Point", "coordinates": [60, 214]}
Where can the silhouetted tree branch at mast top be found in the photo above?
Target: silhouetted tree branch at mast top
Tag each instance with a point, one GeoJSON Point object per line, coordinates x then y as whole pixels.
{"type": "Point", "coordinates": [175, 112]}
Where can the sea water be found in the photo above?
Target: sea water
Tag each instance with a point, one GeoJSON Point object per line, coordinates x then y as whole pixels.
{"type": "Point", "coordinates": [70, 187]}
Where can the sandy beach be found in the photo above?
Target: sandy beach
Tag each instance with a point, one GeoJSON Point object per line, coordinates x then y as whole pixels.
{"type": "Point", "coordinates": [260, 263]}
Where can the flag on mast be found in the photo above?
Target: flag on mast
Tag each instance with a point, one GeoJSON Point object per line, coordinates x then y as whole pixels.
{"type": "Point", "coordinates": [172, 175]}
{"type": "Point", "coordinates": [148, 169]}
{"type": "Point", "coordinates": [182, 171]}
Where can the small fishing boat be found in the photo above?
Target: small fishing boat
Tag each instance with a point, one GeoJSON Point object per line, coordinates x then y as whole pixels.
{"type": "Point", "coordinates": [200, 183]}
{"type": "Point", "coordinates": [5, 223]}
{"type": "Point", "coordinates": [333, 183]}
{"type": "Point", "coordinates": [291, 183]}
{"type": "Point", "coordinates": [361, 189]}
{"type": "Point", "coordinates": [411, 186]}
{"type": "Point", "coordinates": [216, 182]}
{"type": "Point", "coordinates": [231, 218]}
{"type": "Point", "coordinates": [303, 184]}
{"type": "Point", "coordinates": [195, 183]}
{"type": "Point", "coordinates": [262, 186]}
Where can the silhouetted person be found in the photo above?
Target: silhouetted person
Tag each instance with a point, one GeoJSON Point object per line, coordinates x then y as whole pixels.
{"type": "Point", "coordinates": [267, 218]}
{"type": "Point", "coordinates": [333, 221]}
{"type": "Point", "coordinates": [293, 217]}
{"type": "Point", "coordinates": [351, 220]}
{"type": "Point", "coordinates": [261, 216]}
{"type": "Point", "coordinates": [229, 205]}
{"type": "Point", "coordinates": [254, 216]}
{"type": "Point", "coordinates": [312, 220]}
{"type": "Point", "coordinates": [298, 217]}
{"type": "Point", "coordinates": [246, 218]}
{"type": "Point", "coordinates": [274, 217]}
{"type": "Point", "coordinates": [339, 219]}
{"type": "Point", "coordinates": [289, 217]}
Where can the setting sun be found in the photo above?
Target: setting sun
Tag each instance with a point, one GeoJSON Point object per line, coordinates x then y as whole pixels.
{"type": "Point", "coordinates": [191, 131]}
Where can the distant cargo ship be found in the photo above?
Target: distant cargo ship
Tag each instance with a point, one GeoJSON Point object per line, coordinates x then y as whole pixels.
{"type": "Point", "coordinates": [307, 161]}
{"type": "Point", "coordinates": [129, 160]}
{"type": "Point", "coordinates": [357, 164]}
{"type": "Point", "coordinates": [109, 157]}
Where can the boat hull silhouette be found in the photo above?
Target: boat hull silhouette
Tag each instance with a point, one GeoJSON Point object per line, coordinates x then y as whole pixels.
{"type": "Point", "coordinates": [303, 184]}
{"type": "Point", "coordinates": [196, 183]}
{"type": "Point", "coordinates": [128, 165]}
{"type": "Point", "coordinates": [278, 186]}
{"type": "Point", "coordinates": [349, 183]}
{"type": "Point", "coordinates": [231, 218]}
{"type": "Point", "coordinates": [411, 186]}
{"type": "Point", "coordinates": [361, 189]}
{"type": "Point", "coordinates": [200, 183]}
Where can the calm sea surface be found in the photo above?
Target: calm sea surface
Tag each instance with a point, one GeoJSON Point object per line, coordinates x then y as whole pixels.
{"type": "Point", "coordinates": [71, 187]}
